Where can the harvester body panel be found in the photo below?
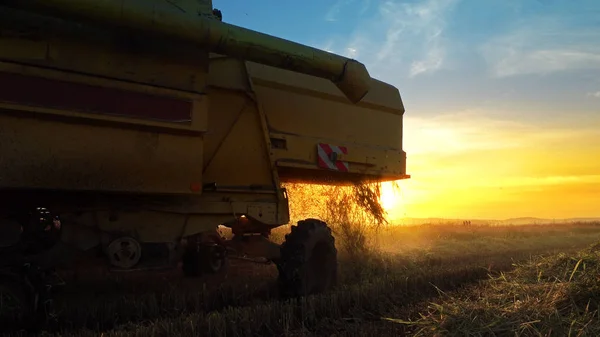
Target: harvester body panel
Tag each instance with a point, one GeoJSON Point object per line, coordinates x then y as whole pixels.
{"type": "Point", "coordinates": [163, 123]}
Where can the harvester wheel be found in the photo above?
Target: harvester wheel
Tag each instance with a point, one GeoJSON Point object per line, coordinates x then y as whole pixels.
{"type": "Point", "coordinates": [124, 252]}
{"type": "Point", "coordinates": [308, 262]}
{"type": "Point", "coordinates": [204, 258]}
{"type": "Point", "coordinates": [214, 258]}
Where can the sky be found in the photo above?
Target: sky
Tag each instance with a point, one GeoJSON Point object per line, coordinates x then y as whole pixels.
{"type": "Point", "coordinates": [502, 97]}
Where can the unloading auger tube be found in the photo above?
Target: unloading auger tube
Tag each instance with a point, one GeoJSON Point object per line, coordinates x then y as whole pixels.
{"type": "Point", "coordinates": [350, 76]}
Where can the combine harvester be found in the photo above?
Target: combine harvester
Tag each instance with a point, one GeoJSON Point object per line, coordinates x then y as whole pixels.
{"type": "Point", "coordinates": [135, 128]}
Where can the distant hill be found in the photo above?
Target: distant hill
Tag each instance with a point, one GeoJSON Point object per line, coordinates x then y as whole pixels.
{"type": "Point", "coordinates": [510, 221]}
{"type": "Point", "coordinates": [530, 220]}
{"type": "Point", "coordinates": [419, 221]}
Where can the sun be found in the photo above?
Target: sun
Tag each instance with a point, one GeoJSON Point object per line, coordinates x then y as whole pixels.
{"type": "Point", "coordinates": [393, 199]}
{"type": "Point", "coordinates": [389, 196]}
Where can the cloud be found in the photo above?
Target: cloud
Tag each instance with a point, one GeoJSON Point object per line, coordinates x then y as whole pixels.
{"type": "Point", "coordinates": [405, 36]}
{"type": "Point", "coordinates": [542, 46]}
{"type": "Point", "coordinates": [334, 11]}
{"type": "Point", "coordinates": [467, 132]}
{"type": "Point", "coordinates": [594, 94]}
{"type": "Point", "coordinates": [417, 26]}
{"type": "Point", "coordinates": [366, 6]}
{"type": "Point", "coordinates": [544, 181]}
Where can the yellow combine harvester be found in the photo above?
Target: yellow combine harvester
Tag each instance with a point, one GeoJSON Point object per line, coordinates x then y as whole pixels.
{"type": "Point", "coordinates": [151, 122]}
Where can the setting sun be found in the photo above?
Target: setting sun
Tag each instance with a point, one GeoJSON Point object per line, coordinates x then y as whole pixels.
{"type": "Point", "coordinates": [391, 199]}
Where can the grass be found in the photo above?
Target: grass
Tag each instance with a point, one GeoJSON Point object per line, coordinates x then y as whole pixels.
{"type": "Point", "coordinates": [277, 318]}
{"type": "Point", "coordinates": [385, 271]}
{"type": "Point", "coordinates": [444, 240]}
{"type": "Point", "coordinates": [379, 284]}
{"type": "Point", "coordinates": [557, 295]}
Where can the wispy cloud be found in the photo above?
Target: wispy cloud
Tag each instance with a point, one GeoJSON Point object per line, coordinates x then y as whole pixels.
{"type": "Point", "coordinates": [405, 36]}
{"type": "Point", "coordinates": [334, 11]}
{"type": "Point", "coordinates": [542, 46]}
{"type": "Point", "coordinates": [417, 26]}
{"type": "Point", "coordinates": [473, 131]}
{"type": "Point", "coordinates": [594, 94]}
{"type": "Point", "coordinates": [426, 21]}
{"type": "Point", "coordinates": [365, 7]}
{"type": "Point", "coordinates": [543, 181]}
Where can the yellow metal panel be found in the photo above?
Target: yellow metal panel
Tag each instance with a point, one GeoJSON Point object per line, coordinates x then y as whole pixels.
{"type": "Point", "coordinates": [59, 44]}
{"type": "Point", "coordinates": [47, 154]}
{"type": "Point", "coordinates": [180, 73]}
{"type": "Point", "coordinates": [228, 73]}
{"type": "Point", "coordinates": [221, 122]}
{"type": "Point", "coordinates": [197, 223]}
{"type": "Point", "coordinates": [154, 226]}
{"type": "Point", "coordinates": [295, 113]}
{"type": "Point", "coordinates": [147, 226]}
{"type": "Point", "coordinates": [49, 148]}
{"type": "Point", "coordinates": [303, 111]}
{"type": "Point", "coordinates": [234, 203]}
{"type": "Point", "coordinates": [301, 152]}
{"type": "Point", "coordinates": [199, 110]}
{"type": "Point", "coordinates": [162, 19]}
{"type": "Point", "coordinates": [240, 158]}
{"type": "Point", "coordinates": [83, 229]}
{"type": "Point", "coordinates": [193, 6]}
{"type": "Point", "coordinates": [381, 96]}
{"type": "Point", "coordinates": [169, 223]}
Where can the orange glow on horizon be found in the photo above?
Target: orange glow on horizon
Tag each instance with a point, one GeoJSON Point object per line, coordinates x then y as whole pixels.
{"type": "Point", "coordinates": [468, 167]}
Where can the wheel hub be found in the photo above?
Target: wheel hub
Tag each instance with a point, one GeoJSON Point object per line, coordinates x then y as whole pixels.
{"type": "Point", "coordinates": [124, 252]}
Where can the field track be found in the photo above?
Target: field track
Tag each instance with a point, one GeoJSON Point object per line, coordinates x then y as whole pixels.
{"type": "Point", "coordinates": [243, 301]}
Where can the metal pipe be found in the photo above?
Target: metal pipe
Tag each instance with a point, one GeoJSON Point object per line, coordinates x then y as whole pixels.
{"type": "Point", "coordinates": [162, 18]}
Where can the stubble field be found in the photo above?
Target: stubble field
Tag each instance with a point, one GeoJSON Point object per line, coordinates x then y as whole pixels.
{"type": "Point", "coordinates": [384, 291]}
{"type": "Point", "coordinates": [425, 280]}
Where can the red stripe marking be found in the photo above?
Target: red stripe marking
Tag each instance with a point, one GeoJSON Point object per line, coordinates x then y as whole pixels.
{"type": "Point", "coordinates": [340, 166]}
{"type": "Point", "coordinates": [42, 92]}
{"type": "Point", "coordinates": [327, 148]}
{"type": "Point", "coordinates": [322, 163]}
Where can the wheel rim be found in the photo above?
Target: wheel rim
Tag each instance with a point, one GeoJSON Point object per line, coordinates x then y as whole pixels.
{"type": "Point", "coordinates": [215, 260]}
{"type": "Point", "coordinates": [124, 252]}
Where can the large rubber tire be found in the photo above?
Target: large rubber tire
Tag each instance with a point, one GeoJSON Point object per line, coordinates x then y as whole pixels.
{"type": "Point", "coordinates": [204, 259]}
{"type": "Point", "coordinates": [308, 263]}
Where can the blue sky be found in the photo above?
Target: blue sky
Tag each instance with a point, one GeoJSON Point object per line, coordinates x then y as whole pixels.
{"type": "Point", "coordinates": [493, 80]}
{"type": "Point", "coordinates": [452, 54]}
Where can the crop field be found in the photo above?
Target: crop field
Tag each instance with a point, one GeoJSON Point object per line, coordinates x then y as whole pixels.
{"type": "Point", "coordinates": [388, 290]}
{"type": "Point", "coordinates": [423, 280]}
